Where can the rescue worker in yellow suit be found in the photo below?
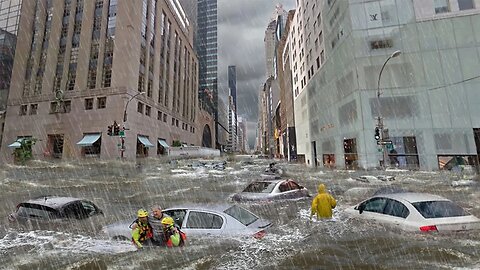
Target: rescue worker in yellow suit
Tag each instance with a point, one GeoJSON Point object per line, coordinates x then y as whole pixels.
{"type": "Point", "coordinates": [173, 236]}
{"type": "Point", "coordinates": [323, 203]}
{"type": "Point", "coordinates": [142, 232]}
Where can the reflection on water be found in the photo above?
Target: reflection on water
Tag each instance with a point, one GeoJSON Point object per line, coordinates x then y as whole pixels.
{"type": "Point", "coordinates": [294, 241]}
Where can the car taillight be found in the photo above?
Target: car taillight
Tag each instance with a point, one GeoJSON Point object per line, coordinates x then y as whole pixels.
{"type": "Point", "coordinates": [429, 228]}
{"type": "Point", "coordinates": [260, 234]}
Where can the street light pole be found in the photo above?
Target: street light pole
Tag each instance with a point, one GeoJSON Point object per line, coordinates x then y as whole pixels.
{"type": "Point", "coordinates": [380, 123]}
{"type": "Point", "coordinates": [122, 150]}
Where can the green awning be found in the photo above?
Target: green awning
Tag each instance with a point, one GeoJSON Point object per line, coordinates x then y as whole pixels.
{"type": "Point", "coordinates": [89, 139]}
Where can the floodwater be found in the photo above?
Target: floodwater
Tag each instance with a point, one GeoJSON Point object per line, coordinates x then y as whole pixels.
{"type": "Point", "coordinates": [293, 242]}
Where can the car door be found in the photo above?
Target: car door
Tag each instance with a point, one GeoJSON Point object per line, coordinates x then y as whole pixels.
{"type": "Point", "coordinates": [203, 223]}
{"type": "Point", "coordinates": [373, 209]}
{"type": "Point", "coordinates": [286, 191]}
{"type": "Point", "coordinates": [396, 214]}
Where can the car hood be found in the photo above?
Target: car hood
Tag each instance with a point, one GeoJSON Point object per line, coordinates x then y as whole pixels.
{"type": "Point", "coordinates": [260, 224]}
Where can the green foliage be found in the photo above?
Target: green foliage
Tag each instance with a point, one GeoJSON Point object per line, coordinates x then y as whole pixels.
{"type": "Point", "coordinates": [24, 153]}
{"type": "Point", "coordinates": [176, 144]}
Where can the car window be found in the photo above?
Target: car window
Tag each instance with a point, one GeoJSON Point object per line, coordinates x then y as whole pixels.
{"type": "Point", "coordinates": [439, 209]}
{"type": "Point", "coordinates": [396, 209]}
{"type": "Point", "coordinates": [375, 205]}
{"type": "Point", "coordinates": [177, 215]}
{"type": "Point", "coordinates": [201, 220]}
{"type": "Point", "coordinates": [260, 187]}
{"type": "Point", "coordinates": [241, 214]}
{"type": "Point", "coordinates": [36, 211]}
{"type": "Point", "coordinates": [75, 210]}
{"type": "Point", "coordinates": [293, 185]}
{"type": "Point", "coordinates": [89, 208]}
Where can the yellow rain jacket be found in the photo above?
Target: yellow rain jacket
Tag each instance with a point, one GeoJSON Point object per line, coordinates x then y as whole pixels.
{"type": "Point", "coordinates": [323, 203]}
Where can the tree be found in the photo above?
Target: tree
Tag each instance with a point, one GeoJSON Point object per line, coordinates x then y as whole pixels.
{"type": "Point", "coordinates": [176, 143]}
{"type": "Point", "coordinates": [24, 153]}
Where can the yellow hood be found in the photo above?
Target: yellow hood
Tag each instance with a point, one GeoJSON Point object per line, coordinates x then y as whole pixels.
{"type": "Point", "coordinates": [321, 188]}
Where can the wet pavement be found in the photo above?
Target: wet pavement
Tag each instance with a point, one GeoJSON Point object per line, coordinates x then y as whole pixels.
{"type": "Point", "coordinates": [293, 242]}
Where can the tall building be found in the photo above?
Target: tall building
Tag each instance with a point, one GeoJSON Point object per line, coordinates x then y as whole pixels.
{"type": "Point", "coordinates": [232, 127]}
{"type": "Point", "coordinates": [271, 90]}
{"type": "Point", "coordinates": [242, 135]}
{"type": "Point", "coordinates": [427, 96]}
{"type": "Point", "coordinates": [9, 19]}
{"type": "Point", "coordinates": [232, 86]}
{"type": "Point", "coordinates": [286, 123]}
{"type": "Point", "coordinates": [81, 65]}
{"type": "Point", "coordinates": [207, 49]}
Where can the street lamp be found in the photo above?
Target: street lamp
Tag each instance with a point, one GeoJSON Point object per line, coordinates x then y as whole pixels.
{"type": "Point", "coordinates": [380, 125]}
{"type": "Point", "coordinates": [126, 105]}
{"type": "Point", "coordinates": [122, 150]}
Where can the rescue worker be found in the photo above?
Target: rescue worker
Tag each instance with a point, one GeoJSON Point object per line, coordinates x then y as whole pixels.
{"type": "Point", "coordinates": [323, 203]}
{"type": "Point", "coordinates": [173, 236]}
{"type": "Point", "coordinates": [142, 232]}
{"type": "Point", "coordinates": [156, 223]}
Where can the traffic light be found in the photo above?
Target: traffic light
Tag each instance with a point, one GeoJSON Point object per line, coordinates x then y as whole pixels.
{"type": "Point", "coordinates": [110, 131]}
{"type": "Point", "coordinates": [116, 129]}
{"type": "Point", "coordinates": [377, 133]}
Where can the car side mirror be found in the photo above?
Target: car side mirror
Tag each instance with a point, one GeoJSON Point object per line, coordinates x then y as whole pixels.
{"type": "Point", "coordinates": [360, 208]}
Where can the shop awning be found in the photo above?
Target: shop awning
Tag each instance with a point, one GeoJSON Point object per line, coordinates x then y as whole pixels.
{"type": "Point", "coordinates": [144, 140]}
{"type": "Point", "coordinates": [89, 139]}
{"type": "Point", "coordinates": [163, 143]}
{"type": "Point", "coordinates": [16, 144]}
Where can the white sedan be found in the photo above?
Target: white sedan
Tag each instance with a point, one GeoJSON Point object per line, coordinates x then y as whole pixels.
{"type": "Point", "coordinates": [415, 212]}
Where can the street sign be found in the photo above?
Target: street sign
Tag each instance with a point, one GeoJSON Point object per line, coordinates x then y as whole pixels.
{"type": "Point", "coordinates": [121, 133]}
{"type": "Point", "coordinates": [384, 142]}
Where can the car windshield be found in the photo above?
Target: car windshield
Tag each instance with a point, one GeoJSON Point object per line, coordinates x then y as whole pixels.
{"type": "Point", "coordinates": [241, 214]}
{"type": "Point", "coordinates": [439, 209]}
{"type": "Point", "coordinates": [260, 187]}
{"type": "Point", "coordinates": [35, 210]}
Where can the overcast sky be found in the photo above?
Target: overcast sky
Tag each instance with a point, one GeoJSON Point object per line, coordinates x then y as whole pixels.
{"type": "Point", "coordinates": [241, 29]}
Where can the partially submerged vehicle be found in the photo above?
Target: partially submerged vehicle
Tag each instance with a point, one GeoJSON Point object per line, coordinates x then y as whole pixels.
{"type": "Point", "coordinates": [270, 190]}
{"type": "Point", "coordinates": [57, 213]}
{"type": "Point", "coordinates": [203, 220]}
{"type": "Point", "coordinates": [420, 212]}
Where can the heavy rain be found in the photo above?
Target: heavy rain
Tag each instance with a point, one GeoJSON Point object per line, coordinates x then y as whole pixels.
{"type": "Point", "coordinates": [239, 134]}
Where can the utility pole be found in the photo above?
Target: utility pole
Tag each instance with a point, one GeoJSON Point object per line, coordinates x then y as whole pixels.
{"type": "Point", "coordinates": [382, 139]}
{"type": "Point", "coordinates": [122, 133]}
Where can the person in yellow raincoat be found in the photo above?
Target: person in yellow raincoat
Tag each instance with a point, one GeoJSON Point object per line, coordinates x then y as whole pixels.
{"type": "Point", "coordinates": [323, 203]}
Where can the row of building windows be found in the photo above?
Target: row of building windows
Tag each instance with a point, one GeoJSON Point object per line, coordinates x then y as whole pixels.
{"type": "Point", "coordinates": [63, 106]}
{"type": "Point", "coordinates": [147, 110]}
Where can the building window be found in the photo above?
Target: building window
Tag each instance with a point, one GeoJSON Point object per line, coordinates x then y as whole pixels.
{"type": "Point", "coordinates": [61, 106]}
{"type": "Point", "coordinates": [173, 121]}
{"type": "Point", "coordinates": [165, 118]}
{"type": "Point", "coordinates": [23, 109]}
{"type": "Point", "coordinates": [33, 109]}
{"type": "Point", "coordinates": [140, 107]}
{"type": "Point", "coordinates": [465, 4]}
{"type": "Point", "coordinates": [441, 6]}
{"type": "Point", "coordinates": [101, 102]}
{"type": "Point", "coordinates": [148, 110]}
{"type": "Point", "coordinates": [89, 104]}
{"type": "Point", "coordinates": [159, 115]}
{"type": "Point", "coordinates": [176, 122]}
{"type": "Point", "coordinates": [381, 44]}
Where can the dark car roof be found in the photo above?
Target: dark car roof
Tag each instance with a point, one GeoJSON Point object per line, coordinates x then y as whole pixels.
{"type": "Point", "coordinates": [53, 201]}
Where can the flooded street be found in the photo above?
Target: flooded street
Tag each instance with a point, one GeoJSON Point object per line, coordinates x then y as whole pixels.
{"type": "Point", "coordinates": [293, 242]}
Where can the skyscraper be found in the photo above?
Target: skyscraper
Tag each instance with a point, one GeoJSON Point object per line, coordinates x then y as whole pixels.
{"type": "Point", "coordinates": [9, 19]}
{"type": "Point", "coordinates": [232, 85]}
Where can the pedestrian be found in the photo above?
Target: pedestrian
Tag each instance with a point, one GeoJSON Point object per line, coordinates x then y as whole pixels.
{"type": "Point", "coordinates": [323, 203]}
{"type": "Point", "coordinates": [156, 223]}
{"type": "Point", "coordinates": [142, 232]}
{"type": "Point", "coordinates": [173, 236]}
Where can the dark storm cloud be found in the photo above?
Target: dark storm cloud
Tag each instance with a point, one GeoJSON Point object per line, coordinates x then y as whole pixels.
{"type": "Point", "coordinates": [241, 30]}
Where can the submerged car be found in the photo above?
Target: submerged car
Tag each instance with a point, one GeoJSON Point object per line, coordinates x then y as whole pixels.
{"type": "Point", "coordinates": [270, 190]}
{"type": "Point", "coordinates": [415, 212]}
{"type": "Point", "coordinates": [203, 220]}
{"type": "Point", "coordinates": [54, 212]}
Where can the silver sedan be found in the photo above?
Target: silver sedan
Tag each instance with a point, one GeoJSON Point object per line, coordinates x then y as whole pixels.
{"type": "Point", "coordinates": [206, 220]}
